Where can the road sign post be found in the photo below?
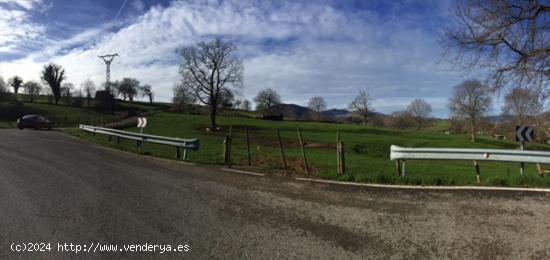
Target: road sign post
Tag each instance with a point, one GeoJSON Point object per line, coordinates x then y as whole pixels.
{"type": "Point", "coordinates": [523, 134]}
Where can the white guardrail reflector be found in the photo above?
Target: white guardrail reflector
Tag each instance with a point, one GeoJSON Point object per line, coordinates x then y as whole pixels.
{"type": "Point", "coordinates": [502, 155]}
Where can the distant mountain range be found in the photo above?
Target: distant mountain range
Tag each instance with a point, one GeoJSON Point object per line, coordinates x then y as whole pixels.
{"type": "Point", "coordinates": [293, 110]}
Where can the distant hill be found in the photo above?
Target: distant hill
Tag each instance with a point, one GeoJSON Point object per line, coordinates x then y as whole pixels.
{"type": "Point", "coordinates": [337, 112]}
{"type": "Point", "coordinates": [301, 112]}
{"type": "Point", "coordinates": [293, 110]}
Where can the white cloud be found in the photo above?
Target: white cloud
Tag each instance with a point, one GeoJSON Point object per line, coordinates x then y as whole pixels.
{"type": "Point", "coordinates": [16, 29]}
{"type": "Point", "coordinates": [25, 4]}
{"type": "Point", "coordinates": [298, 49]}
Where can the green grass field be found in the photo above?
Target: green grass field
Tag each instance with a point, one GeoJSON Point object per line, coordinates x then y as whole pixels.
{"type": "Point", "coordinates": [61, 114]}
{"type": "Point", "coordinates": [367, 150]}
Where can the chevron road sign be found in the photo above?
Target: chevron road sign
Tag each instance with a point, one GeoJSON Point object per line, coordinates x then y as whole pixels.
{"type": "Point", "coordinates": [142, 122]}
{"type": "Point", "coordinates": [524, 134]}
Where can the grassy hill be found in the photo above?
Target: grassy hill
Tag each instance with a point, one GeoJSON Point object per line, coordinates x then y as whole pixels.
{"type": "Point", "coordinates": [61, 114]}
{"type": "Point", "coordinates": [367, 150]}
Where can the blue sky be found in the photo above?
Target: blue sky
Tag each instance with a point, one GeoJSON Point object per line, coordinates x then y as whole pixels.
{"type": "Point", "coordinates": [299, 48]}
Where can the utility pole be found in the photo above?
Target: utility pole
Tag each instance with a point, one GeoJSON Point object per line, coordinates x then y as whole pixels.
{"type": "Point", "coordinates": [108, 58]}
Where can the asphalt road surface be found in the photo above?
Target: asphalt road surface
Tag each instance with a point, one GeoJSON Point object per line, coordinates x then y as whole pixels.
{"type": "Point", "coordinates": [59, 190]}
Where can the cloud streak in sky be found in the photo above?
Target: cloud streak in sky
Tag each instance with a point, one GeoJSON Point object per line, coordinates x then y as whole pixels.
{"type": "Point", "coordinates": [299, 49]}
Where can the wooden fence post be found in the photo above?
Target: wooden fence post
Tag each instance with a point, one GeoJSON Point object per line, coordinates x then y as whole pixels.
{"type": "Point", "coordinates": [338, 151]}
{"type": "Point", "coordinates": [281, 148]}
{"type": "Point", "coordinates": [229, 144]}
{"type": "Point", "coordinates": [225, 149]}
{"type": "Point", "coordinates": [247, 146]}
{"type": "Point", "coordinates": [303, 151]}
{"type": "Point", "coordinates": [342, 152]}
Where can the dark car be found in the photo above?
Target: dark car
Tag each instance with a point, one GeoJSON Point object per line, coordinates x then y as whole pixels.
{"type": "Point", "coordinates": [34, 121]}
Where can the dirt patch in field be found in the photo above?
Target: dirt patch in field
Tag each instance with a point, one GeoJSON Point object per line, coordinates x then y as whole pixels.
{"type": "Point", "coordinates": [263, 139]}
{"type": "Point", "coordinates": [274, 165]}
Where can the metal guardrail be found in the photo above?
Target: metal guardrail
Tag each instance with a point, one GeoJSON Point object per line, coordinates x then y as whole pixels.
{"type": "Point", "coordinates": [178, 143]}
{"type": "Point", "coordinates": [502, 155]}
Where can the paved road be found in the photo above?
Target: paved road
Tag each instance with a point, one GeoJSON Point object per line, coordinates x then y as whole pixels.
{"type": "Point", "coordinates": [56, 189]}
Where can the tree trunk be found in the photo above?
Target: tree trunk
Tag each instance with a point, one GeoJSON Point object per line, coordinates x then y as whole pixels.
{"type": "Point", "coordinates": [213, 117]}
{"type": "Point", "coordinates": [365, 120]}
{"type": "Point", "coordinates": [473, 130]}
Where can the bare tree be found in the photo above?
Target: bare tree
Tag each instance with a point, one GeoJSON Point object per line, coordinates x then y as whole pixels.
{"type": "Point", "coordinates": [246, 105]}
{"type": "Point", "coordinates": [238, 103]}
{"type": "Point", "coordinates": [128, 88]}
{"type": "Point", "coordinates": [53, 75]}
{"type": "Point", "coordinates": [419, 110]}
{"type": "Point", "coordinates": [267, 99]}
{"type": "Point", "coordinates": [183, 96]}
{"type": "Point", "coordinates": [3, 87]}
{"type": "Point", "coordinates": [89, 89]}
{"type": "Point", "coordinates": [32, 89]}
{"type": "Point", "coordinates": [66, 92]}
{"type": "Point", "coordinates": [210, 69]}
{"type": "Point", "coordinates": [15, 82]}
{"type": "Point", "coordinates": [318, 105]}
{"type": "Point", "coordinates": [522, 103]}
{"type": "Point", "coordinates": [146, 91]}
{"type": "Point", "coordinates": [471, 100]}
{"type": "Point", "coordinates": [226, 99]}
{"type": "Point", "coordinates": [362, 104]}
{"type": "Point", "coordinates": [402, 120]}
{"type": "Point", "coordinates": [507, 38]}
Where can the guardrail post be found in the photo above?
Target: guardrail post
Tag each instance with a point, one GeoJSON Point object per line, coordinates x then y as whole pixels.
{"type": "Point", "coordinates": [177, 152]}
{"type": "Point", "coordinates": [398, 167]}
{"type": "Point", "coordinates": [478, 172]}
{"type": "Point", "coordinates": [110, 137]}
{"type": "Point", "coordinates": [138, 146]}
{"type": "Point", "coordinates": [185, 155]}
{"type": "Point", "coordinates": [118, 140]}
{"type": "Point", "coordinates": [404, 168]}
{"type": "Point", "coordinates": [522, 164]}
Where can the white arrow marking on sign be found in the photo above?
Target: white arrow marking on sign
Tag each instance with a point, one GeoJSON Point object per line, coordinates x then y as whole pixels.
{"type": "Point", "coordinates": [524, 133]}
{"type": "Point", "coordinates": [142, 122]}
{"type": "Point", "coordinates": [529, 134]}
